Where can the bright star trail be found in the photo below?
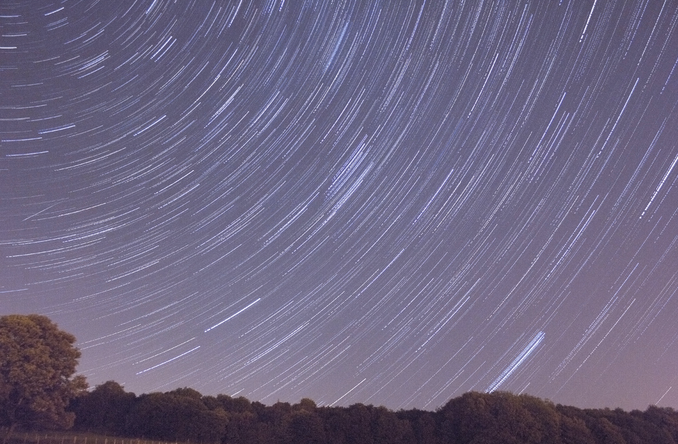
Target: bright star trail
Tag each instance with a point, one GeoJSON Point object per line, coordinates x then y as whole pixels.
{"type": "Point", "coordinates": [389, 203]}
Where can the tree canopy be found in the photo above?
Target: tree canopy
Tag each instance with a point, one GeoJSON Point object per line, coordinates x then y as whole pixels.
{"type": "Point", "coordinates": [39, 389]}
{"type": "Point", "coordinates": [37, 373]}
{"type": "Point", "coordinates": [475, 418]}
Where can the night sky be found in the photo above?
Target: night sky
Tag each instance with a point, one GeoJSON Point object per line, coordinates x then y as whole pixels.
{"type": "Point", "coordinates": [389, 203]}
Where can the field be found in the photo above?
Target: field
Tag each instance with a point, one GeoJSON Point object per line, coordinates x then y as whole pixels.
{"type": "Point", "coordinates": [55, 437]}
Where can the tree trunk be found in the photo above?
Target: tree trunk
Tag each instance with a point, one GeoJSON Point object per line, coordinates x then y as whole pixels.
{"type": "Point", "coordinates": [10, 430]}
{"type": "Point", "coordinates": [11, 414]}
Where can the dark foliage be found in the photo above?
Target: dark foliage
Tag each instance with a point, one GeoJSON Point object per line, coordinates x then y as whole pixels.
{"type": "Point", "coordinates": [104, 410]}
{"type": "Point", "coordinates": [473, 418]}
{"type": "Point", "coordinates": [37, 373]}
{"type": "Point", "coordinates": [37, 366]}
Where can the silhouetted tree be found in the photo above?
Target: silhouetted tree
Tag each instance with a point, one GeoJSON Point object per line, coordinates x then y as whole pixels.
{"type": "Point", "coordinates": [665, 418]}
{"type": "Point", "coordinates": [602, 429]}
{"type": "Point", "coordinates": [305, 404]}
{"type": "Point", "coordinates": [239, 427]}
{"type": "Point", "coordinates": [212, 403]}
{"type": "Point", "coordinates": [104, 409]}
{"type": "Point", "coordinates": [37, 367]}
{"type": "Point", "coordinates": [359, 425]}
{"type": "Point", "coordinates": [239, 405]}
{"type": "Point", "coordinates": [305, 427]}
{"type": "Point", "coordinates": [573, 429]}
{"type": "Point", "coordinates": [499, 417]}
{"type": "Point", "coordinates": [474, 418]}
{"type": "Point", "coordinates": [187, 393]}
{"type": "Point", "coordinates": [423, 425]}
{"type": "Point", "coordinates": [387, 428]}
{"type": "Point", "coordinates": [335, 422]}
{"type": "Point", "coordinates": [635, 430]}
{"type": "Point", "coordinates": [175, 417]}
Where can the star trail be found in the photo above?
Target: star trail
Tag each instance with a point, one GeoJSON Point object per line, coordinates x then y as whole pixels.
{"type": "Point", "coordinates": [389, 203]}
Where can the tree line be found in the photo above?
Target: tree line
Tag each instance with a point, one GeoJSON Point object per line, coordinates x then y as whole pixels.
{"type": "Point", "coordinates": [40, 390]}
{"type": "Point", "coordinates": [499, 417]}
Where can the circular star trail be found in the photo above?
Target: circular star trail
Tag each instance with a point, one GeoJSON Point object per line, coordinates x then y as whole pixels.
{"type": "Point", "coordinates": [389, 203]}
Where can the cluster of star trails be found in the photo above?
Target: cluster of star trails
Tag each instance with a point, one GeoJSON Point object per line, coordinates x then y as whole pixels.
{"type": "Point", "coordinates": [390, 203]}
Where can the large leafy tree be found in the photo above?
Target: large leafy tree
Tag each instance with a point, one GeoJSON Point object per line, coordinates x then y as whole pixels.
{"type": "Point", "coordinates": [37, 373]}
